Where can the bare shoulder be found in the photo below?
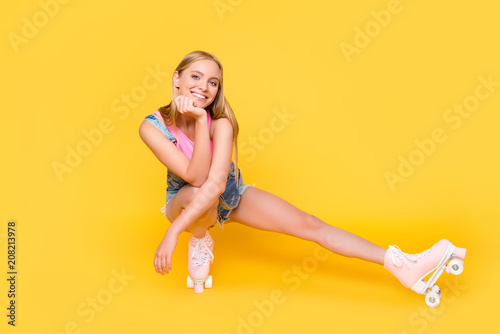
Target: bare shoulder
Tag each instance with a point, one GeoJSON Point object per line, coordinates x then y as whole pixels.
{"type": "Point", "coordinates": [220, 125]}
{"type": "Point", "coordinates": [221, 120]}
{"type": "Point", "coordinates": [145, 128]}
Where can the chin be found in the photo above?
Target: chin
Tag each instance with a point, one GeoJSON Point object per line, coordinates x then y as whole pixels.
{"type": "Point", "coordinates": [208, 104]}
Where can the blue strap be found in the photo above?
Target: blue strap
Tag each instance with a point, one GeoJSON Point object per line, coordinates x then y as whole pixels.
{"type": "Point", "coordinates": [160, 126]}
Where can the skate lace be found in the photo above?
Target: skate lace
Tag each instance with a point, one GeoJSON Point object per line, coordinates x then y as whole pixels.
{"type": "Point", "coordinates": [201, 252]}
{"type": "Point", "coordinates": [396, 252]}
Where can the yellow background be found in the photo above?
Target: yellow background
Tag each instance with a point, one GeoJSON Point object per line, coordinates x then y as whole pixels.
{"type": "Point", "coordinates": [353, 117]}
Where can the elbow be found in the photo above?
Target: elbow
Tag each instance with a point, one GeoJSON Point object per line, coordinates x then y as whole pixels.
{"type": "Point", "coordinates": [220, 189]}
{"type": "Point", "coordinates": [214, 183]}
{"type": "Point", "coordinates": [213, 189]}
{"type": "Point", "coordinates": [199, 180]}
{"type": "Point", "coordinates": [196, 183]}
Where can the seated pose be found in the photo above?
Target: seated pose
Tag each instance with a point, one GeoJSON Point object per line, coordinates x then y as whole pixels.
{"type": "Point", "coordinates": [194, 138]}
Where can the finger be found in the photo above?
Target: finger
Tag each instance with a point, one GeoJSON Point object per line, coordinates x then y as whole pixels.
{"type": "Point", "coordinates": [189, 104]}
{"type": "Point", "coordinates": [183, 104]}
{"type": "Point", "coordinates": [186, 103]}
{"type": "Point", "coordinates": [156, 264]}
{"type": "Point", "coordinates": [159, 267]}
{"type": "Point", "coordinates": [169, 263]}
{"type": "Point", "coordinates": [163, 265]}
{"type": "Point", "coordinates": [176, 100]}
{"type": "Point", "coordinates": [179, 103]}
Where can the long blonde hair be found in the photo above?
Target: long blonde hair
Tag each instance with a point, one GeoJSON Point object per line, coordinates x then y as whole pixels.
{"type": "Point", "coordinates": [219, 108]}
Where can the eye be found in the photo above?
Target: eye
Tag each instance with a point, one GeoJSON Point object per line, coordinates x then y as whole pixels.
{"type": "Point", "coordinates": [213, 83]}
{"type": "Point", "coordinates": [194, 76]}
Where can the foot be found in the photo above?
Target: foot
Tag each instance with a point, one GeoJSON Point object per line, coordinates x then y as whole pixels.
{"type": "Point", "coordinates": [411, 269]}
{"type": "Point", "coordinates": [200, 256]}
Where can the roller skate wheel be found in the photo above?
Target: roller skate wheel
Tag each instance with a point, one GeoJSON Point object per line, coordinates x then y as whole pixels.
{"type": "Point", "coordinates": [455, 266]}
{"type": "Point", "coordinates": [208, 282]}
{"type": "Point", "coordinates": [190, 283]}
{"type": "Point", "coordinates": [433, 297]}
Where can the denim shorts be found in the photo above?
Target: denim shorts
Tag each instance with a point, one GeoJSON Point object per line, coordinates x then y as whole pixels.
{"type": "Point", "coordinates": [228, 200]}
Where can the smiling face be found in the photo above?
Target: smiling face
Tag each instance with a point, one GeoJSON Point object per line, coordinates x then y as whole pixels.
{"type": "Point", "coordinates": [199, 81]}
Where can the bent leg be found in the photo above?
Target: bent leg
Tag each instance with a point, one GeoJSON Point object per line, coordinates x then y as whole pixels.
{"type": "Point", "coordinates": [181, 200]}
{"type": "Point", "coordinates": [263, 210]}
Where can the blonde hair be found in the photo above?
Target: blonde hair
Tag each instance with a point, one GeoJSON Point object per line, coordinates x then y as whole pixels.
{"type": "Point", "coordinates": [219, 108]}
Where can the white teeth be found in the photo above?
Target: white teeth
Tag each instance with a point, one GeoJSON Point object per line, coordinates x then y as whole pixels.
{"type": "Point", "coordinates": [200, 96]}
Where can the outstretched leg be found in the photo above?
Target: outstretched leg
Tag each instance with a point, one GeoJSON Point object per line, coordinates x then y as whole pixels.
{"type": "Point", "coordinates": [263, 210]}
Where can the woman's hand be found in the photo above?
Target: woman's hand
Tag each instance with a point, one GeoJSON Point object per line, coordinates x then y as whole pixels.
{"type": "Point", "coordinates": [163, 254]}
{"type": "Point", "coordinates": [188, 107]}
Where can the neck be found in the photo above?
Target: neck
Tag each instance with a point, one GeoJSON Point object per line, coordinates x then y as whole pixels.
{"type": "Point", "coordinates": [185, 122]}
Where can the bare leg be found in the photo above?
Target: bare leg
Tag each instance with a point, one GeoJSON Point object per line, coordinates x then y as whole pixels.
{"type": "Point", "coordinates": [180, 201]}
{"type": "Point", "coordinates": [263, 210]}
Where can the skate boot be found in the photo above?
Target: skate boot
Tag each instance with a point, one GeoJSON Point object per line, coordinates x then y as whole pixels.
{"type": "Point", "coordinates": [200, 255]}
{"type": "Point", "coordinates": [411, 269]}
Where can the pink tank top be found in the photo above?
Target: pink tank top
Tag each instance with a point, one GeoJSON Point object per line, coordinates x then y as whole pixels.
{"type": "Point", "coordinates": [183, 143]}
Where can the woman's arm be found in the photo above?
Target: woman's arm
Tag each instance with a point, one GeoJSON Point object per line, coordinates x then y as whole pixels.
{"type": "Point", "coordinates": [194, 171]}
{"type": "Point", "coordinates": [215, 184]}
{"type": "Point", "coordinates": [206, 196]}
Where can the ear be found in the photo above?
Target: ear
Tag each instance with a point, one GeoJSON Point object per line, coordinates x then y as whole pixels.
{"type": "Point", "coordinates": [176, 79]}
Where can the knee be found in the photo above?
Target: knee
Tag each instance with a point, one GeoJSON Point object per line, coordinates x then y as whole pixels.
{"type": "Point", "coordinates": [184, 198]}
{"type": "Point", "coordinates": [207, 219]}
{"type": "Point", "coordinates": [202, 200]}
{"type": "Point", "coordinates": [189, 192]}
{"type": "Point", "coordinates": [313, 227]}
{"type": "Point", "coordinates": [210, 215]}
{"type": "Point", "coordinates": [314, 222]}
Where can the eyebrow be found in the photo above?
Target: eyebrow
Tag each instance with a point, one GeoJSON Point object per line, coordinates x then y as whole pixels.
{"type": "Point", "coordinates": [203, 74]}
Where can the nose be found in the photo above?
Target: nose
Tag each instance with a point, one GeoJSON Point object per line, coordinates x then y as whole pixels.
{"type": "Point", "coordinates": [203, 86]}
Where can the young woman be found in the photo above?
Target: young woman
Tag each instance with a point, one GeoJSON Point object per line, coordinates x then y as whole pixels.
{"type": "Point", "coordinates": [194, 136]}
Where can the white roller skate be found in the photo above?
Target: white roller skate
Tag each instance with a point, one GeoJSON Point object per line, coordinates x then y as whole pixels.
{"type": "Point", "coordinates": [200, 255]}
{"type": "Point", "coordinates": [411, 269]}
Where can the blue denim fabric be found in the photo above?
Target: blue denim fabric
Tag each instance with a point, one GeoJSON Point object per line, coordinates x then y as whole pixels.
{"type": "Point", "coordinates": [228, 200]}
{"type": "Point", "coordinates": [160, 126]}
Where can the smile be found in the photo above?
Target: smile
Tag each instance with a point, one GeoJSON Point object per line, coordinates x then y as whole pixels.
{"type": "Point", "coordinates": [199, 96]}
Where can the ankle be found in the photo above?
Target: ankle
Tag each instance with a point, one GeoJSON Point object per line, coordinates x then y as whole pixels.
{"type": "Point", "coordinates": [199, 233]}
